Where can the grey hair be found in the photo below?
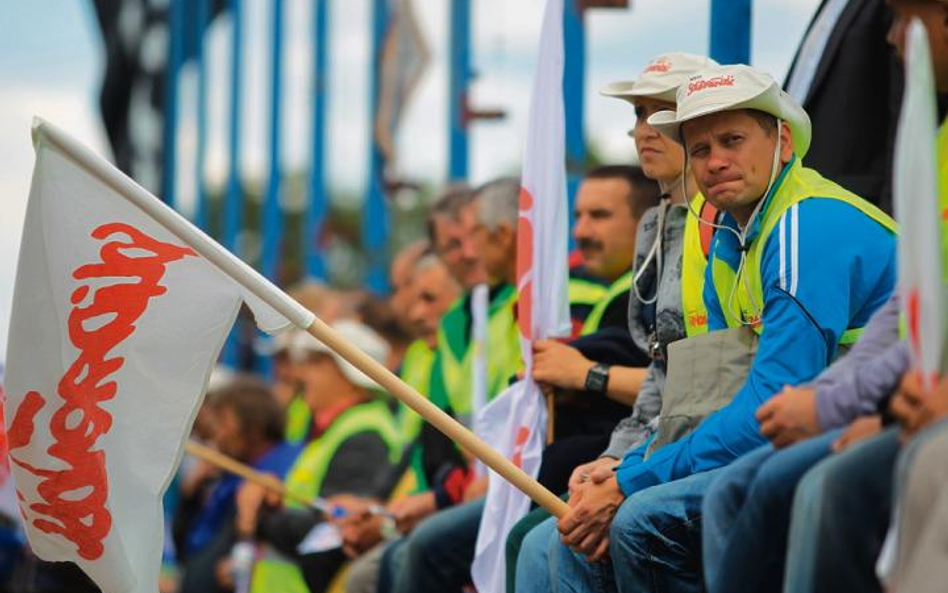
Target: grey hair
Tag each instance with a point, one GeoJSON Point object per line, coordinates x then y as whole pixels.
{"type": "Point", "coordinates": [430, 260]}
{"type": "Point", "coordinates": [498, 202]}
{"type": "Point", "coordinates": [427, 260]}
{"type": "Point", "coordinates": [448, 205]}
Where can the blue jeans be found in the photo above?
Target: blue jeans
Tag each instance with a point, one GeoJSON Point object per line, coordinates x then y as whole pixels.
{"type": "Point", "coordinates": [533, 561]}
{"type": "Point", "coordinates": [746, 515]}
{"type": "Point", "coordinates": [655, 545]}
{"type": "Point", "coordinates": [840, 515]}
{"type": "Point", "coordinates": [436, 557]}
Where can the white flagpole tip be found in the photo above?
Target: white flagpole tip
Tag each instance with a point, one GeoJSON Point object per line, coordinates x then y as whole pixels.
{"type": "Point", "coordinates": [36, 129]}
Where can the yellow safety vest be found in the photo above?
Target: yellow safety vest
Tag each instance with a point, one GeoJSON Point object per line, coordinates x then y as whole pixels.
{"type": "Point", "coordinates": [455, 355]}
{"type": "Point", "coordinates": [694, 260]}
{"type": "Point", "coordinates": [797, 184]}
{"type": "Point", "coordinates": [276, 574]}
{"type": "Point", "coordinates": [620, 287]}
{"type": "Point", "coordinates": [416, 371]}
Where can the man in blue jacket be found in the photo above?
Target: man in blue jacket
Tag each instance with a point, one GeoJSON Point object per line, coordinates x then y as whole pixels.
{"type": "Point", "coordinates": [798, 260]}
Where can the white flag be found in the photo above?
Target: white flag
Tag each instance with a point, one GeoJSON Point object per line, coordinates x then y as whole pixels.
{"type": "Point", "coordinates": [480, 303]}
{"type": "Point", "coordinates": [917, 208]}
{"type": "Point", "coordinates": [516, 420]}
{"type": "Point", "coordinates": [915, 192]}
{"type": "Point", "coordinates": [117, 322]}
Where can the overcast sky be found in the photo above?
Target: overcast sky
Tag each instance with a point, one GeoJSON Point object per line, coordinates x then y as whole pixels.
{"type": "Point", "coordinates": [52, 64]}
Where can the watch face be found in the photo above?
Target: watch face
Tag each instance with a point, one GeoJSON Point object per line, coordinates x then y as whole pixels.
{"type": "Point", "coordinates": [596, 379]}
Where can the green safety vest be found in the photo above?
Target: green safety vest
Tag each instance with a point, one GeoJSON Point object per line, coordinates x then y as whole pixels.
{"type": "Point", "coordinates": [416, 371]}
{"type": "Point", "coordinates": [277, 574]}
{"type": "Point", "coordinates": [585, 292]}
{"type": "Point", "coordinates": [696, 243]}
{"type": "Point", "coordinates": [797, 184]}
{"type": "Point", "coordinates": [298, 421]}
{"type": "Point", "coordinates": [619, 288]}
{"type": "Point", "coordinates": [451, 383]}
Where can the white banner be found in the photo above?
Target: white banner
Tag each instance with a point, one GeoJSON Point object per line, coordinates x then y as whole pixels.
{"type": "Point", "coordinates": [917, 209]}
{"type": "Point", "coordinates": [516, 420]}
{"type": "Point", "coordinates": [116, 325]}
{"type": "Point", "coordinates": [915, 193]}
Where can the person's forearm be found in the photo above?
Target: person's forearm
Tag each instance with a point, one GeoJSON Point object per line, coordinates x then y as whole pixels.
{"type": "Point", "coordinates": [624, 384]}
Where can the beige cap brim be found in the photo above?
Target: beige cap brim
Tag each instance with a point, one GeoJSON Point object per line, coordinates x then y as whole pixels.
{"type": "Point", "coordinates": [776, 104]}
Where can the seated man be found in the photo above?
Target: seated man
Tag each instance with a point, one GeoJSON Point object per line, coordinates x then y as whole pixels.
{"type": "Point", "coordinates": [247, 425]}
{"type": "Point", "coordinates": [352, 431]}
{"type": "Point", "coordinates": [597, 376]}
{"type": "Point", "coordinates": [778, 266]}
{"type": "Point", "coordinates": [437, 555]}
{"type": "Point", "coordinates": [422, 467]}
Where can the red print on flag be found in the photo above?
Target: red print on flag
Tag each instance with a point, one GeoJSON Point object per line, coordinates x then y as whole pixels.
{"type": "Point", "coordinates": [73, 499]}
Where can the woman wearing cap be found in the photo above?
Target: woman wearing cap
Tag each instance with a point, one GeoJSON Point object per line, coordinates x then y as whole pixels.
{"type": "Point", "coordinates": [666, 302]}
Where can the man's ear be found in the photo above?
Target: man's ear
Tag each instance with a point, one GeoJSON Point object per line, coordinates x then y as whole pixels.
{"type": "Point", "coordinates": [507, 235]}
{"type": "Point", "coordinates": [786, 143]}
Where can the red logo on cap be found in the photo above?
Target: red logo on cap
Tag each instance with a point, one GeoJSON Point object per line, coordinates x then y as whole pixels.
{"type": "Point", "coordinates": [660, 65]}
{"type": "Point", "coordinates": [709, 83]}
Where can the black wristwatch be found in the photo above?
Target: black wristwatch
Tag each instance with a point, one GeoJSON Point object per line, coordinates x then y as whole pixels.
{"type": "Point", "coordinates": [597, 378]}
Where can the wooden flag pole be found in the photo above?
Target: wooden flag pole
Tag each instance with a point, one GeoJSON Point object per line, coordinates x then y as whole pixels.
{"type": "Point", "coordinates": [298, 315]}
{"type": "Point", "coordinates": [268, 481]}
{"type": "Point", "coordinates": [453, 429]}
{"type": "Point", "coordinates": [229, 464]}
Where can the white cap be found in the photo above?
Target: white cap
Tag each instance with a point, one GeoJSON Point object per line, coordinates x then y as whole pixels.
{"type": "Point", "coordinates": [729, 88]}
{"type": "Point", "coordinates": [660, 79]}
{"type": "Point", "coordinates": [359, 335]}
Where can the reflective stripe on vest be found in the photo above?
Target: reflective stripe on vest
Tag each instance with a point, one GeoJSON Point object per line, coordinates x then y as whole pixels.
{"type": "Point", "coordinates": [456, 354]}
{"type": "Point", "coordinates": [585, 292]}
{"type": "Point", "coordinates": [696, 244]}
{"type": "Point", "coordinates": [416, 371]}
{"type": "Point", "coordinates": [619, 288]}
{"type": "Point", "coordinates": [298, 420]}
{"type": "Point", "coordinates": [275, 573]}
{"type": "Point", "coordinates": [795, 184]}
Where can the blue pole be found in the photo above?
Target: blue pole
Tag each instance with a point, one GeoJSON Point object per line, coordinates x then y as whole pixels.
{"type": "Point", "coordinates": [731, 31]}
{"type": "Point", "coordinates": [200, 213]}
{"type": "Point", "coordinates": [170, 131]}
{"type": "Point", "coordinates": [374, 213]}
{"type": "Point", "coordinates": [272, 214]}
{"type": "Point", "coordinates": [318, 196]}
{"type": "Point", "coordinates": [574, 84]}
{"type": "Point", "coordinates": [459, 80]}
{"type": "Point", "coordinates": [233, 206]}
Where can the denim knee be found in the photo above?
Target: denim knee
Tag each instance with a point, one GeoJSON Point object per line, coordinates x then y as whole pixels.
{"type": "Point", "coordinates": [533, 562]}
